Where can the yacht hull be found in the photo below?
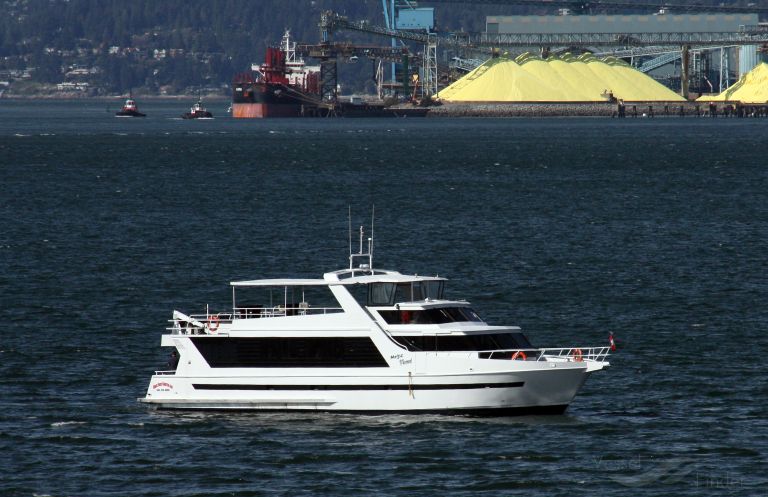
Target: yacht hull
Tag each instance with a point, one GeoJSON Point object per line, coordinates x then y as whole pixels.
{"type": "Point", "coordinates": [543, 391]}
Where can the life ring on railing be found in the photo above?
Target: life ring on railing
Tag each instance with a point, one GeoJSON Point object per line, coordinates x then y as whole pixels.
{"type": "Point", "coordinates": [578, 356]}
{"type": "Point", "coordinates": [213, 323]}
{"type": "Point", "coordinates": [519, 355]}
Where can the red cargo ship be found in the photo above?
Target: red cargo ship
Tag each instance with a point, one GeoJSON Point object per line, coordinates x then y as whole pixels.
{"type": "Point", "coordinates": [284, 86]}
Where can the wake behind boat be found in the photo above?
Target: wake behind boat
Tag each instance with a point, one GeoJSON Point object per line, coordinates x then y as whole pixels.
{"type": "Point", "coordinates": [362, 340]}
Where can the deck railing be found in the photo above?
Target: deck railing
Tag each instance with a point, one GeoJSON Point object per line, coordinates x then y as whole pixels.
{"type": "Point", "coordinates": [203, 324]}
{"type": "Point", "coordinates": [280, 311]}
{"type": "Point", "coordinates": [565, 354]}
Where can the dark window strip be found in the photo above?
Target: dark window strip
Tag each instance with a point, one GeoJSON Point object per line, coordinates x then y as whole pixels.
{"type": "Point", "coordinates": [478, 342]}
{"type": "Point", "coordinates": [454, 386]}
{"type": "Point", "coordinates": [290, 352]}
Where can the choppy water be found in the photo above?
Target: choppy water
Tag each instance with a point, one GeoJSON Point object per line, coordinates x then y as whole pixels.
{"type": "Point", "coordinates": [653, 229]}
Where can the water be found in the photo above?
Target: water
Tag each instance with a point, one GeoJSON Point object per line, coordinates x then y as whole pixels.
{"type": "Point", "coordinates": [652, 229]}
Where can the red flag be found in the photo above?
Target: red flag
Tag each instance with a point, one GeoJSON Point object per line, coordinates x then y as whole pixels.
{"type": "Point", "coordinates": [613, 344]}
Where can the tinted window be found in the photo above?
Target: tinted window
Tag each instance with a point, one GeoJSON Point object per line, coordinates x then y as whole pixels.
{"type": "Point", "coordinates": [413, 291]}
{"type": "Point", "coordinates": [404, 293]}
{"type": "Point", "coordinates": [381, 293]}
{"type": "Point", "coordinates": [430, 316]}
{"type": "Point", "coordinates": [433, 289]}
{"type": "Point", "coordinates": [495, 341]}
{"type": "Point", "coordinates": [284, 352]}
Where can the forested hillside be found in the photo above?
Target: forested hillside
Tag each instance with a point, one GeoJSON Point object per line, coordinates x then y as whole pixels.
{"type": "Point", "coordinates": [171, 45]}
{"type": "Point", "coordinates": [106, 47]}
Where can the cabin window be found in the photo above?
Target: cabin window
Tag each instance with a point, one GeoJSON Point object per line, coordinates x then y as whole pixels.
{"type": "Point", "coordinates": [405, 293]}
{"type": "Point", "coordinates": [413, 291]}
{"type": "Point", "coordinates": [433, 289]}
{"type": "Point", "coordinates": [381, 293]}
{"type": "Point", "coordinates": [447, 343]}
{"type": "Point", "coordinates": [290, 352]}
{"type": "Point", "coordinates": [439, 315]}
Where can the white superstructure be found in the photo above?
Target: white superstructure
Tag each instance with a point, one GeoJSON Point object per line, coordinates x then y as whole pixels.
{"type": "Point", "coordinates": [296, 69]}
{"type": "Point", "coordinates": [362, 340]}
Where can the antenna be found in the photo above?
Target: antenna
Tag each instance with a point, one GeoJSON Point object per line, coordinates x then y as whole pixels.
{"type": "Point", "coordinates": [370, 239]}
{"type": "Point", "coordinates": [360, 253]}
{"type": "Point", "coordinates": [349, 219]}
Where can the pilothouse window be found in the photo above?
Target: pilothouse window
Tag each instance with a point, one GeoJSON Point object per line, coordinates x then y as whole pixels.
{"type": "Point", "coordinates": [408, 292]}
{"type": "Point", "coordinates": [443, 343]}
{"type": "Point", "coordinates": [412, 291]}
{"type": "Point", "coordinates": [381, 293]}
{"type": "Point", "coordinates": [433, 289]}
{"type": "Point", "coordinates": [431, 316]}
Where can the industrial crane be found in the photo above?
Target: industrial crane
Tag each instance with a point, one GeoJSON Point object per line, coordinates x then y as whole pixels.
{"type": "Point", "coordinates": [575, 6]}
{"type": "Point", "coordinates": [749, 35]}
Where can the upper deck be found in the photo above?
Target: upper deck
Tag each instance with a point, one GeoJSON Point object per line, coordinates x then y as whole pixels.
{"type": "Point", "coordinates": [362, 293]}
{"type": "Point", "coordinates": [381, 287]}
{"type": "Point", "coordinates": [341, 277]}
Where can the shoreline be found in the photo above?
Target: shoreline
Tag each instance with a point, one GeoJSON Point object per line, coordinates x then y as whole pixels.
{"type": "Point", "coordinates": [568, 109]}
{"type": "Point", "coordinates": [492, 109]}
{"type": "Point", "coordinates": [65, 97]}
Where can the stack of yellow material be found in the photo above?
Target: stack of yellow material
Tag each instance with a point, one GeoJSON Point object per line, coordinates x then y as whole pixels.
{"type": "Point", "coordinates": [752, 88]}
{"type": "Point", "coordinates": [566, 78]}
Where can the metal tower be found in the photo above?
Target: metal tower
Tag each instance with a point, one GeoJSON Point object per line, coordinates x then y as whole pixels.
{"type": "Point", "coordinates": [429, 68]}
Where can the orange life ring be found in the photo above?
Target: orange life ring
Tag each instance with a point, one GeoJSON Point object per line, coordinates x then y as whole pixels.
{"type": "Point", "coordinates": [519, 354]}
{"type": "Point", "coordinates": [578, 356]}
{"type": "Point", "coordinates": [213, 323]}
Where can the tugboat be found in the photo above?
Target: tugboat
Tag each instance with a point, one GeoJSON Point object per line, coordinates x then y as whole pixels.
{"type": "Point", "coordinates": [130, 109]}
{"type": "Point", "coordinates": [362, 340]}
{"type": "Point", "coordinates": [197, 112]}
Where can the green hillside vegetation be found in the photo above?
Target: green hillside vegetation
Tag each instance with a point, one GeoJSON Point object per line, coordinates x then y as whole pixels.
{"type": "Point", "coordinates": [107, 47]}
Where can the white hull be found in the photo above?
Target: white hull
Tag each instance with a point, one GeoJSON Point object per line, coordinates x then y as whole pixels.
{"type": "Point", "coordinates": [543, 389]}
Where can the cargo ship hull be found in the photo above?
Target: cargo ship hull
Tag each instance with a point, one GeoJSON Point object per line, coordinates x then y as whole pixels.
{"type": "Point", "coordinates": [262, 100]}
{"type": "Point", "coordinates": [258, 111]}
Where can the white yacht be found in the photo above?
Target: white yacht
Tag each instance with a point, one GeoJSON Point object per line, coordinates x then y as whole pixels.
{"type": "Point", "coordinates": [362, 340]}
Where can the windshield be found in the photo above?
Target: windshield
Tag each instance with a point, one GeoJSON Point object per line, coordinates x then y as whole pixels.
{"type": "Point", "coordinates": [445, 343]}
{"type": "Point", "coordinates": [413, 291]}
{"type": "Point", "coordinates": [431, 316]}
